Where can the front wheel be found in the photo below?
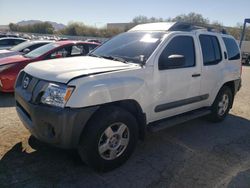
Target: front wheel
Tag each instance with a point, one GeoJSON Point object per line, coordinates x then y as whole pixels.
{"type": "Point", "coordinates": [222, 104]}
{"type": "Point", "coordinates": [109, 139]}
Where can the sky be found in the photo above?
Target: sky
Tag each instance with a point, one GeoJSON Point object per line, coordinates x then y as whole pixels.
{"type": "Point", "coordinates": [98, 13]}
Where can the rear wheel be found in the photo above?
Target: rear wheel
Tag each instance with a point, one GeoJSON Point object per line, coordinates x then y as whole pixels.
{"type": "Point", "coordinates": [109, 139]}
{"type": "Point", "coordinates": [222, 104]}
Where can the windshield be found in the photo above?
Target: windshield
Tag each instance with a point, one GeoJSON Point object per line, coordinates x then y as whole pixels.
{"type": "Point", "coordinates": [21, 46]}
{"type": "Point", "coordinates": [41, 50]}
{"type": "Point", "coordinates": [133, 47]}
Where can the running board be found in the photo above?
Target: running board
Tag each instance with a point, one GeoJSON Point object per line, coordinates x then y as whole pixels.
{"type": "Point", "coordinates": [169, 122]}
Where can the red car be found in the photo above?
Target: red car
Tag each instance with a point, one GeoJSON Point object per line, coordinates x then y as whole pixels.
{"type": "Point", "coordinates": [11, 66]}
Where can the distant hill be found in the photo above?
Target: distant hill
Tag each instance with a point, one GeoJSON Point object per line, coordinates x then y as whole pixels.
{"type": "Point", "coordinates": [57, 26]}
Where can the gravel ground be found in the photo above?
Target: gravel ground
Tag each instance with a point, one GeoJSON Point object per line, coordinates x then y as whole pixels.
{"type": "Point", "coordinates": [194, 154]}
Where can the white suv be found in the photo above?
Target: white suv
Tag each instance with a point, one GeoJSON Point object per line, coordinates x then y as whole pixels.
{"type": "Point", "coordinates": [147, 79]}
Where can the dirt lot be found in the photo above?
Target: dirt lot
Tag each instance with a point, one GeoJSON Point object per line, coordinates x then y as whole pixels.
{"type": "Point", "coordinates": [193, 154]}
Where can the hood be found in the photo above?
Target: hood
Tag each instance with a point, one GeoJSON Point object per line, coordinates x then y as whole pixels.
{"type": "Point", "coordinates": [65, 69]}
{"type": "Point", "coordinates": [7, 53]}
{"type": "Point", "coordinates": [12, 59]}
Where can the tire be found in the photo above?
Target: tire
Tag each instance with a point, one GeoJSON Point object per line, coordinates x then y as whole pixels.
{"type": "Point", "coordinates": [221, 105]}
{"type": "Point", "coordinates": [109, 138]}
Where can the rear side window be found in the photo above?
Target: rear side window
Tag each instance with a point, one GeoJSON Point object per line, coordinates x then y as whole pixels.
{"type": "Point", "coordinates": [211, 51]}
{"type": "Point", "coordinates": [232, 48]}
{"type": "Point", "coordinates": [179, 45]}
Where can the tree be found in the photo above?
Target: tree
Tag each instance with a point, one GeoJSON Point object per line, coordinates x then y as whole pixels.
{"type": "Point", "coordinates": [80, 29]}
{"type": "Point", "coordinates": [192, 18]}
{"type": "Point", "coordinates": [144, 19]}
{"type": "Point", "coordinates": [197, 19]}
{"type": "Point", "coordinates": [43, 28]}
{"type": "Point", "coordinates": [13, 27]}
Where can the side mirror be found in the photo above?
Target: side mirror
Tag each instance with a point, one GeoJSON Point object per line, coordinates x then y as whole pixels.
{"type": "Point", "coordinates": [172, 61]}
{"type": "Point", "coordinates": [176, 60]}
{"type": "Point", "coordinates": [26, 50]}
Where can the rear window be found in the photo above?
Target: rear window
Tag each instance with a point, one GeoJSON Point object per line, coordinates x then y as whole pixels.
{"type": "Point", "coordinates": [232, 48]}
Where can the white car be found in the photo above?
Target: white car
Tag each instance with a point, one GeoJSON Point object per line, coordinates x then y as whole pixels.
{"type": "Point", "coordinates": [147, 79]}
{"type": "Point", "coordinates": [23, 48]}
{"type": "Point", "coordinates": [9, 42]}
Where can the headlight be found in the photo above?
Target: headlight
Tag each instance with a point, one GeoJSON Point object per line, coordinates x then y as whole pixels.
{"type": "Point", "coordinates": [57, 95]}
{"type": "Point", "coordinates": [4, 67]}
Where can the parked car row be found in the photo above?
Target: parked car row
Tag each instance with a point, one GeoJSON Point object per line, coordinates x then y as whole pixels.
{"type": "Point", "coordinates": [23, 48]}
{"type": "Point", "coordinates": [2, 35]}
{"type": "Point", "coordinates": [12, 61]}
{"type": "Point", "coordinates": [30, 36]}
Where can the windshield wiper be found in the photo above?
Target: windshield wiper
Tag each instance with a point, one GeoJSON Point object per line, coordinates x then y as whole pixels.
{"type": "Point", "coordinates": [109, 57]}
{"type": "Point", "coordinates": [115, 58]}
{"type": "Point", "coordinates": [94, 55]}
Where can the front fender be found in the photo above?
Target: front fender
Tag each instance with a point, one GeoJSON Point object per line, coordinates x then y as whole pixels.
{"type": "Point", "coordinates": [105, 90]}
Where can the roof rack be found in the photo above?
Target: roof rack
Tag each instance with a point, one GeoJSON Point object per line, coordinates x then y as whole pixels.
{"type": "Point", "coordinates": [183, 26]}
{"type": "Point", "coordinates": [173, 26]}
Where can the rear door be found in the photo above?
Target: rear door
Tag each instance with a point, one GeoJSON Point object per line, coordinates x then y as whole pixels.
{"type": "Point", "coordinates": [212, 71]}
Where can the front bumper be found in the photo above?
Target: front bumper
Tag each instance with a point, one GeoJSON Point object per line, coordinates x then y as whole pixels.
{"type": "Point", "coordinates": [61, 127]}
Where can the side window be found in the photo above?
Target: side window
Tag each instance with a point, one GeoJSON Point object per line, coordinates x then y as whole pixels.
{"type": "Point", "coordinates": [232, 48]}
{"type": "Point", "coordinates": [179, 53]}
{"type": "Point", "coordinates": [17, 41]}
{"type": "Point", "coordinates": [78, 50]}
{"type": "Point", "coordinates": [4, 42]}
{"type": "Point", "coordinates": [211, 51]}
{"type": "Point", "coordinates": [92, 47]}
{"type": "Point", "coordinates": [62, 52]}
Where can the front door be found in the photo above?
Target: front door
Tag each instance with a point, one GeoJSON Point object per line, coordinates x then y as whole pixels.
{"type": "Point", "coordinates": [179, 77]}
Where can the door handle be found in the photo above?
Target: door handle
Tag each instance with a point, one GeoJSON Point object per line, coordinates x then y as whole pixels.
{"type": "Point", "coordinates": [196, 75]}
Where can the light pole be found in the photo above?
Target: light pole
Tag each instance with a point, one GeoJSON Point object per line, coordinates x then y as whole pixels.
{"type": "Point", "coordinates": [247, 20]}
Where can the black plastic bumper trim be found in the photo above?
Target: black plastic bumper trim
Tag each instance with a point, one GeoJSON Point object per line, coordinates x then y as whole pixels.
{"type": "Point", "coordinates": [175, 104]}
